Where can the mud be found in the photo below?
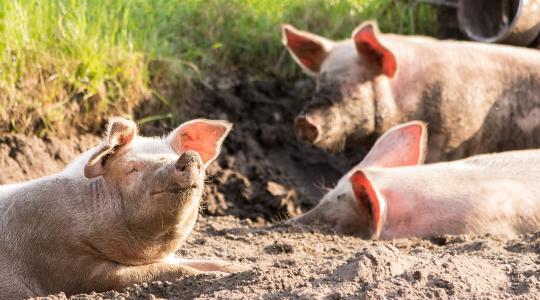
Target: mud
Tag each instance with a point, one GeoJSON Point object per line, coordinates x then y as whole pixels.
{"type": "Point", "coordinates": [263, 176]}
{"type": "Point", "coordinates": [23, 158]}
{"type": "Point", "coordinates": [313, 263]}
{"type": "Point", "coordinates": [263, 172]}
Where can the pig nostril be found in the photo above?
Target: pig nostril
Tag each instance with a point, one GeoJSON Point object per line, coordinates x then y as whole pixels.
{"type": "Point", "coordinates": [305, 129]}
{"type": "Point", "coordinates": [188, 160]}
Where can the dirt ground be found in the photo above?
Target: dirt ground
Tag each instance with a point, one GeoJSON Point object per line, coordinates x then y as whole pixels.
{"type": "Point", "coordinates": [264, 176]}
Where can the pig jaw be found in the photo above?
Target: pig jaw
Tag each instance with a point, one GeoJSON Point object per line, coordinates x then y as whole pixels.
{"type": "Point", "coordinates": [176, 196]}
{"type": "Point", "coordinates": [339, 210]}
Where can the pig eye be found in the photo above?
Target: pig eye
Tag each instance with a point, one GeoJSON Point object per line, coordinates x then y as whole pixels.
{"type": "Point", "coordinates": [133, 170]}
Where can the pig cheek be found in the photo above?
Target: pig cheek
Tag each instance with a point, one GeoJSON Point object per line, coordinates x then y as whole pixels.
{"type": "Point", "coordinates": [187, 213]}
{"type": "Point", "coordinates": [359, 111]}
{"type": "Point", "coordinates": [132, 181]}
{"type": "Point", "coordinates": [353, 220]}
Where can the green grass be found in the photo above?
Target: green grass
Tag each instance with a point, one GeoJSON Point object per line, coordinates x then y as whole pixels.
{"type": "Point", "coordinates": [70, 64]}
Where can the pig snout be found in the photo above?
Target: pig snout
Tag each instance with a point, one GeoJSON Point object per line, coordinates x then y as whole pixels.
{"type": "Point", "coordinates": [317, 215]}
{"type": "Point", "coordinates": [306, 129]}
{"type": "Point", "coordinates": [188, 170]}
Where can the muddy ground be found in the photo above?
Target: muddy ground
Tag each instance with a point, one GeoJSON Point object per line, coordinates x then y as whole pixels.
{"type": "Point", "coordinates": [264, 176]}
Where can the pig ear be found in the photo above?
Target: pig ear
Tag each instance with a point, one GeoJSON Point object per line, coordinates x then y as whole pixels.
{"type": "Point", "coordinates": [366, 196]}
{"type": "Point", "coordinates": [202, 136]}
{"type": "Point", "coordinates": [307, 49]}
{"type": "Point", "coordinates": [369, 46]}
{"type": "Point", "coordinates": [402, 145]}
{"type": "Point", "coordinates": [120, 132]}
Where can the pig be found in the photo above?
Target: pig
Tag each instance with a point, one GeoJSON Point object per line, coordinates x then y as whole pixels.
{"type": "Point", "coordinates": [113, 217]}
{"type": "Point", "coordinates": [391, 194]}
{"type": "Point", "coordinates": [477, 98]}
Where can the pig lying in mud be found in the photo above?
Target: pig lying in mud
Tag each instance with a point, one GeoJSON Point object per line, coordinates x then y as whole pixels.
{"type": "Point", "coordinates": [390, 195]}
{"type": "Point", "coordinates": [112, 218]}
{"type": "Point", "coordinates": [476, 98]}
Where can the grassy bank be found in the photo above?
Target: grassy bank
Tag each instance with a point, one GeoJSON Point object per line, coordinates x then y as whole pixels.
{"type": "Point", "coordinates": [69, 64]}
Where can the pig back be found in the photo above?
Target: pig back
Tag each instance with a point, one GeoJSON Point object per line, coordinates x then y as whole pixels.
{"type": "Point", "coordinates": [476, 98]}
{"type": "Point", "coordinates": [498, 194]}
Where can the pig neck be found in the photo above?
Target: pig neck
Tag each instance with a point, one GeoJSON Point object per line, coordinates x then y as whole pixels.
{"type": "Point", "coordinates": [392, 104]}
{"type": "Point", "coordinates": [387, 112]}
{"type": "Point", "coordinates": [80, 213]}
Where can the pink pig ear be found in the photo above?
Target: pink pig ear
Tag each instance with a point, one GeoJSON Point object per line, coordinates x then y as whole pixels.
{"type": "Point", "coordinates": [120, 132]}
{"type": "Point", "coordinates": [369, 46]}
{"type": "Point", "coordinates": [366, 196]}
{"type": "Point", "coordinates": [202, 136]}
{"type": "Point", "coordinates": [402, 145]}
{"type": "Point", "coordinates": [307, 49]}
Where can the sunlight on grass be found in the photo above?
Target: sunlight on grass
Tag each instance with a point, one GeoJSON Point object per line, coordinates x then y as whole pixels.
{"type": "Point", "coordinates": [70, 64]}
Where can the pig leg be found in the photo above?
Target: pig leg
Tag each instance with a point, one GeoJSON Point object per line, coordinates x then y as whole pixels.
{"type": "Point", "coordinates": [204, 265]}
{"type": "Point", "coordinates": [15, 290]}
{"type": "Point", "coordinates": [120, 277]}
{"type": "Point", "coordinates": [213, 266]}
{"type": "Point", "coordinates": [12, 286]}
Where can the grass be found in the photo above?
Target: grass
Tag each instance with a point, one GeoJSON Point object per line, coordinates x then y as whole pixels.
{"type": "Point", "coordinates": [68, 64]}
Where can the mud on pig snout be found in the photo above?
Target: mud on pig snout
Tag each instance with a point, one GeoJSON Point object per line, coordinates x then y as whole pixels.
{"type": "Point", "coordinates": [306, 129]}
{"type": "Point", "coordinates": [188, 169]}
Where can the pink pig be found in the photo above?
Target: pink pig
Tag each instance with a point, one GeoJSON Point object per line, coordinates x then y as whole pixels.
{"type": "Point", "coordinates": [391, 195]}
{"type": "Point", "coordinates": [113, 217]}
{"type": "Point", "coordinates": [477, 98]}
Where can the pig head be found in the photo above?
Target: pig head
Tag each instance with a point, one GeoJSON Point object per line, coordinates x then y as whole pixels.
{"type": "Point", "coordinates": [158, 183]}
{"type": "Point", "coordinates": [404, 145]}
{"type": "Point", "coordinates": [350, 77]}
{"type": "Point", "coordinates": [115, 217]}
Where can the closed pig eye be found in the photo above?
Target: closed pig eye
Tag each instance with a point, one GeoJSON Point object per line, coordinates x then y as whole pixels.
{"type": "Point", "coordinates": [133, 170]}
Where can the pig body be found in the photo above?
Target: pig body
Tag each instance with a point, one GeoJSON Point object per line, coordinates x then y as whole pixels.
{"type": "Point", "coordinates": [113, 217]}
{"type": "Point", "coordinates": [477, 98]}
{"type": "Point", "coordinates": [383, 198]}
{"type": "Point", "coordinates": [494, 193]}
